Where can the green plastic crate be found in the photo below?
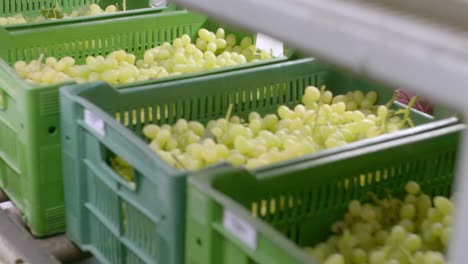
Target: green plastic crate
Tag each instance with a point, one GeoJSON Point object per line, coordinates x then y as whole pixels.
{"type": "Point", "coordinates": [295, 206]}
{"type": "Point", "coordinates": [95, 194]}
{"type": "Point", "coordinates": [32, 9]}
{"type": "Point", "coordinates": [30, 159]}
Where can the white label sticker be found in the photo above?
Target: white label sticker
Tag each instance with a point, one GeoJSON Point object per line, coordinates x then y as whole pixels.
{"type": "Point", "coordinates": [268, 43]}
{"type": "Point", "coordinates": [96, 123]}
{"type": "Point", "coordinates": [240, 229]}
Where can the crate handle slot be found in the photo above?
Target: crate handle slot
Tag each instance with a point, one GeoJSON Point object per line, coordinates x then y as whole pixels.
{"type": "Point", "coordinates": [119, 169]}
{"type": "Point", "coordinates": [108, 161]}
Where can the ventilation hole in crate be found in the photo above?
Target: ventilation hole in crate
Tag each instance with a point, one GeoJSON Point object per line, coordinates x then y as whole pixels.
{"type": "Point", "coordinates": [254, 209]}
{"type": "Point", "coordinates": [370, 178]}
{"type": "Point", "coordinates": [52, 130]}
{"type": "Point", "coordinates": [263, 208]}
{"type": "Point", "coordinates": [156, 113]}
{"type": "Point", "coordinates": [104, 241]}
{"type": "Point", "coordinates": [318, 200]}
{"type": "Point", "coordinates": [102, 198]}
{"type": "Point", "coordinates": [140, 230]}
{"type": "Point", "coordinates": [289, 202]}
{"type": "Point", "coordinates": [378, 176]}
{"type": "Point", "coordinates": [9, 142]}
{"type": "Point", "coordinates": [125, 116]}
{"type": "Point", "coordinates": [164, 113]}
{"type": "Point", "coordinates": [272, 206]}
{"type": "Point", "coordinates": [132, 258]}
{"type": "Point", "coordinates": [199, 241]}
{"type": "Point", "coordinates": [296, 91]}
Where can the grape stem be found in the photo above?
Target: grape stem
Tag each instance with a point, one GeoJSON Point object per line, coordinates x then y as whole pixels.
{"type": "Point", "coordinates": [178, 161]}
{"type": "Point", "coordinates": [320, 103]}
{"type": "Point", "coordinates": [392, 100]}
{"type": "Point", "coordinates": [405, 252]}
{"type": "Point", "coordinates": [39, 62]}
{"type": "Point", "coordinates": [407, 112]}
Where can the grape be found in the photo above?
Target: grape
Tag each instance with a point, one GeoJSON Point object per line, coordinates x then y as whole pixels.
{"type": "Point", "coordinates": [163, 137]}
{"type": "Point", "coordinates": [111, 9]}
{"type": "Point", "coordinates": [412, 242]}
{"type": "Point", "coordinates": [408, 211]}
{"type": "Point", "coordinates": [443, 205]}
{"type": "Point", "coordinates": [221, 44]}
{"type": "Point", "coordinates": [313, 92]}
{"type": "Point", "coordinates": [367, 213]}
{"type": "Point", "coordinates": [407, 224]}
{"type": "Point", "coordinates": [201, 44]}
{"type": "Point", "coordinates": [412, 187]}
{"type": "Point", "coordinates": [350, 106]}
{"type": "Point", "coordinates": [335, 259]}
{"type": "Point", "coordinates": [366, 104]}
{"type": "Point", "coordinates": [377, 257]}
{"type": "Point", "coordinates": [372, 97]}
{"type": "Point", "coordinates": [246, 42]}
{"type": "Point", "coordinates": [326, 97]}
{"type": "Point", "coordinates": [358, 96]}
{"type": "Point", "coordinates": [359, 255]}
{"type": "Point", "coordinates": [203, 33]}
{"type": "Point", "coordinates": [211, 46]}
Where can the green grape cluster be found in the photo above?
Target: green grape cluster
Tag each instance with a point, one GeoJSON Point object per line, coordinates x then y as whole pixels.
{"type": "Point", "coordinates": [321, 122]}
{"type": "Point", "coordinates": [120, 67]}
{"type": "Point", "coordinates": [56, 13]}
{"type": "Point", "coordinates": [415, 230]}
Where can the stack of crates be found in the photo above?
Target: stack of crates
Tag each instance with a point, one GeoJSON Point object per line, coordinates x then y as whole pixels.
{"type": "Point", "coordinates": [144, 221]}
{"type": "Point", "coordinates": [30, 146]}
{"type": "Point", "coordinates": [56, 142]}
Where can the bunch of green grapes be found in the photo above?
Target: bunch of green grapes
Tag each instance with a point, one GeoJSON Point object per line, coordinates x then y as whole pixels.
{"type": "Point", "coordinates": [120, 67]}
{"type": "Point", "coordinates": [57, 13]}
{"type": "Point", "coordinates": [321, 122]}
{"type": "Point", "coordinates": [415, 230]}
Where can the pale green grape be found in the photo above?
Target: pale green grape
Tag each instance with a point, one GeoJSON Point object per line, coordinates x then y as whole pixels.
{"type": "Point", "coordinates": [358, 96]}
{"type": "Point", "coordinates": [377, 257]}
{"type": "Point", "coordinates": [335, 259]}
{"type": "Point", "coordinates": [246, 42]}
{"type": "Point", "coordinates": [372, 97]}
{"type": "Point", "coordinates": [203, 34]}
{"type": "Point", "coordinates": [231, 40]}
{"type": "Point", "coordinates": [443, 204]}
{"type": "Point", "coordinates": [351, 105]}
{"type": "Point", "coordinates": [326, 97]}
{"type": "Point", "coordinates": [355, 208]}
{"type": "Point", "coordinates": [408, 211]}
{"type": "Point", "coordinates": [412, 187]}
